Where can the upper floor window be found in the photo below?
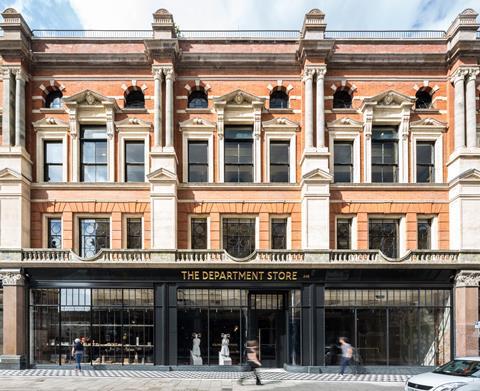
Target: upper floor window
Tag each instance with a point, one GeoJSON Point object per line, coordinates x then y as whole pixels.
{"type": "Point", "coordinates": [279, 99]}
{"type": "Point", "coordinates": [198, 99]}
{"type": "Point", "coordinates": [198, 161]}
{"type": "Point", "coordinates": [424, 234]}
{"type": "Point", "coordinates": [54, 229]}
{"type": "Point", "coordinates": [238, 155]}
{"type": "Point", "coordinates": [384, 155]}
{"type": "Point", "coordinates": [134, 99]}
{"type": "Point", "coordinates": [53, 161]}
{"type": "Point", "coordinates": [135, 161]}
{"type": "Point", "coordinates": [279, 161]}
{"type": "Point", "coordinates": [134, 233]}
{"type": "Point", "coordinates": [423, 99]}
{"type": "Point", "coordinates": [342, 99]}
{"type": "Point", "coordinates": [198, 233]}
{"type": "Point", "coordinates": [279, 233]}
{"type": "Point", "coordinates": [342, 161]}
{"type": "Point", "coordinates": [344, 234]}
{"type": "Point", "coordinates": [425, 162]}
{"type": "Point", "coordinates": [93, 152]}
{"type": "Point", "coordinates": [94, 235]}
{"type": "Point", "coordinates": [383, 236]}
{"type": "Point", "coordinates": [239, 236]}
{"type": "Point", "coordinates": [54, 99]}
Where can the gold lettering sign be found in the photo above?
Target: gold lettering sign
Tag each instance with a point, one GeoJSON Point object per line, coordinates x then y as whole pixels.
{"type": "Point", "coordinates": [236, 275]}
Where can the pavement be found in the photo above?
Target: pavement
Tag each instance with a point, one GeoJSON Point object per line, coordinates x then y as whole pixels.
{"type": "Point", "coordinates": [123, 380]}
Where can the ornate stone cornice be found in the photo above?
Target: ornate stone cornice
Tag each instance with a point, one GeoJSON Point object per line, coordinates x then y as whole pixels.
{"type": "Point", "coordinates": [467, 279]}
{"type": "Point", "coordinates": [12, 277]}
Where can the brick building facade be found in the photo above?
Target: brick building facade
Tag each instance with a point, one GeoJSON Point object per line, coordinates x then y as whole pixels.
{"type": "Point", "coordinates": [291, 186]}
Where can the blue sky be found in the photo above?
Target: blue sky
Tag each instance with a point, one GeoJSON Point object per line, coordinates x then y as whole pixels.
{"type": "Point", "coordinates": [240, 14]}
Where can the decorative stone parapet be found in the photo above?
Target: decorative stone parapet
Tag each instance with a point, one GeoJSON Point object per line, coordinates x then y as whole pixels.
{"type": "Point", "coordinates": [314, 25]}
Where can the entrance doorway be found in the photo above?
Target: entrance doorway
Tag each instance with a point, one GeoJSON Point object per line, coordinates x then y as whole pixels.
{"type": "Point", "coordinates": [267, 324]}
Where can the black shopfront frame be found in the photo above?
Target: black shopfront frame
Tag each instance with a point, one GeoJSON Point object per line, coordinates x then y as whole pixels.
{"type": "Point", "coordinates": [311, 282]}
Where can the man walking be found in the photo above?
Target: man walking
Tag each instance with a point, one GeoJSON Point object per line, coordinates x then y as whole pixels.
{"type": "Point", "coordinates": [77, 352]}
{"type": "Point", "coordinates": [347, 353]}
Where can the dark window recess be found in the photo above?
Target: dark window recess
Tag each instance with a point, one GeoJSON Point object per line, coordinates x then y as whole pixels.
{"type": "Point", "coordinates": [383, 236]}
{"type": "Point", "coordinates": [344, 234]}
{"type": "Point", "coordinates": [198, 99]}
{"type": "Point", "coordinates": [134, 233]}
{"type": "Point", "coordinates": [198, 161]}
{"type": "Point", "coordinates": [384, 155]}
{"type": "Point", "coordinates": [93, 152]}
{"type": "Point", "coordinates": [424, 99]}
{"type": "Point", "coordinates": [239, 236]}
{"type": "Point", "coordinates": [54, 99]}
{"type": "Point", "coordinates": [94, 235]}
{"type": "Point", "coordinates": [425, 162]}
{"type": "Point", "coordinates": [279, 234]}
{"type": "Point", "coordinates": [135, 99]}
{"type": "Point", "coordinates": [279, 161]}
{"type": "Point", "coordinates": [279, 99]}
{"type": "Point", "coordinates": [424, 234]}
{"type": "Point", "coordinates": [342, 161]}
{"type": "Point", "coordinates": [342, 99]}
{"type": "Point", "coordinates": [134, 161]}
{"type": "Point", "coordinates": [238, 155]}
{"type": "Point", "coordinates": [53, 161]}
{"type": "Point", "coordinates": [54, 233]}
{"type": "Point", "coordinates": [199, 233]}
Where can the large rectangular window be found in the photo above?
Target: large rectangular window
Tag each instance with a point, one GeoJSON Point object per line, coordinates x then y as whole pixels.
{"type": "Point", "coordinates": [342, 161]}
{"type": "Point", "coordinates": [53, 161]}
{"type": "Point", "coordinates": [134, 233]}
{"type": "Point", "coordinates": [279, 233]}
{"type": "Point", "coordinates": [383, 236]}
{"type": "Point", "coordinates": [239, 236]}
{"type": "Point", "coordinates": [385, 155]}
{"type": "Point", "coordinates": [198, 233]}
{"type": "Point", "coordinates": [344, 234]}
{"type": "Point", "coordinates": [134, 161]}
{"type": "Point", "coordinates": [54, 227]}
{"type": "Point", "coordinates": [198, 161]}
{"type": "Point", "coordinates": [93, 152]}
{"type": "Point", "coordinates": [425, 162]}
{"type": "Point", "coordinates": [94, 235]}
{"type": "Point", "coordinates": [279, 161]}
{"type": "Point", "coordinates": [238, 155]}
{"type": "Point", "coordinates": [1, 320]}
{"type": "Point", "coordinates": [424, 234]}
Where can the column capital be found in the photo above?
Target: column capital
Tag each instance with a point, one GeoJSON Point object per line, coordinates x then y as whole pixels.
{"type": "Point", "coordinates": [157, 72]}
{"type": "Point", "coordinates": [12, 277]}
{"type": "Point", "coordinates": [20, 74]}
{"type": "Point", "coordinates": [458, 75]}
{"type": "Point", "coordinates": [169, 73]}
{"type": "Point", "coordinates": [308, 73]}
{"type": "Point", "coordinates": [472, 73]}
{"type": "Point", "coordinates": [321, 71]}
{"type": "Point", "coordinates": [467, 279]}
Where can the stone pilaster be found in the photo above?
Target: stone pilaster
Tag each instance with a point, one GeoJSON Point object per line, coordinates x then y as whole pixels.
{"type": "Point", "coordinates": [8, 115]}
{"type": "Point", "coordinates": [320, 71]}
{"type": "Point", "coordinates": [471, 109]}
{"type": "Point", "coordinates": [466, 312]}
{"type": "Point", "coordinates": [308, 110]}
{"type": "Point", "coordinates": [169, 106]}
{"type": "Point", "coordinates": [20, 108]}
{"type": "Point", "coordinates": [14, 319]}
{"type": "Point", "coordinates": [157, 107]}
{"type": "Point", "coordinates": [458, 79]}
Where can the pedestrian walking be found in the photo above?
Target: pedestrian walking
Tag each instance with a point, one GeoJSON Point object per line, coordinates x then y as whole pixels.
{"type": "Point", "coordinates": [77, 353]}
{"type": "Point", "coordinates": [253, 361]}
{"type": "Point", "coordinates": [347, 353]}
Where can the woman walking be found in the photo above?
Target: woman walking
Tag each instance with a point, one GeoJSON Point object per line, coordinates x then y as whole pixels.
{"type": "Point", "coordinates": [253, 361]}
{"type": "Point", "coordinates": [77, 352]}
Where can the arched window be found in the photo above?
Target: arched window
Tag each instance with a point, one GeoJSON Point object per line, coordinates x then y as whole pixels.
{"type": "Point", "coordinates": [424, 99]}
{"type": "Point", "coordinates": [134, 99]}
{"type": "Point", "coordinates": [279, 99]}
{"type": "Point", "coordinates": [342, 99]}
{"type": "Point", "coordinates": [198, 100]}
{"type": "Point", "coordinates": [54, 99]}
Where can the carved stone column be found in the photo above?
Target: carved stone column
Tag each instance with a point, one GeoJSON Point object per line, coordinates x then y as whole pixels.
{"type": "Point", "coordinates": [157, 107]}
{"type": "Point", "coordinates": [169, 107]}
{"type": "Point", "coordinates": [471, 109]}
{"type": "Point", "coordinates": [308, 121]}
{"type": "Point", "coordinates": [466, 312]}
{"type": "Point", "coordinates": [458, 81]}
{"type": "Point", "coordinates": [7, 114]}
{"type": "Point", "coordinates": [20, 108]}
{"type": "Point", "coordinates": [320, 107]}
{"type": "Point", "coordinates": [14, 326]}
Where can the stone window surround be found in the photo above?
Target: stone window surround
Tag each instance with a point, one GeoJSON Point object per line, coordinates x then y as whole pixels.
{"type": "Point", "coordinates": [50, 129]}
{"type": "Point", "coordinates": [352, 135]}
{"type": "Point", "coordinates": [433, 134]}
{"type": "Point", "coordinates": [434, 234]}
{"type": "Point", "coordinates": [125, 217]}
{"type": "Point", "coordinates": [45, 218]}
{"type": "Point", "coordinates": [353, 230]}
{"type": "Point", "coordinates": [289, 228]}
{"type": "Point", "coordinates": [242, 216]}
{"type": "Point", "coordinates": [402, 229]}
{"type": "Point", "coordinates": [189, 230]}
{"type": "Point", "coordinates": [76, 227]}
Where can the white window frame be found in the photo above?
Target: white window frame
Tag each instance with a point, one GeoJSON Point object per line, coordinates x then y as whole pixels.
{"type": "Point", "coordinates": [122, 139]}
{"type": "Point", "coordinates": [289, 136]}
{"type": "Point", "coordinates": [402, 230]}
{"type": "Point", "coordinates": [350, 136]}
{"type": "Point", "coordinates": [125, 218]}
{"type": "Point", "coordinates": [353, 230]}
{"type": "Point", "coordinates": [289, 229]}
{"type": "Point", "coordinates": [434, 234]}
{"type": "Point", "coordinates": [197, 136]}
{"type": "Point", "coordinates": [77, 232]}
{"type": "Point", "coordinates": [198, 216]}
{"type": "Point", "coordinates": [437, 139]}
{"type": "Point", "coordinates": [241, 216]}
{"type": "Point", "coordinates": [45, 218]}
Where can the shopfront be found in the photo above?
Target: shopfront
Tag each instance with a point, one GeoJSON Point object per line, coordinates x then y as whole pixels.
{"type": "Point", "coordinates": [204, 317]}
{"type": "Point", "coordinates": [1, 319]}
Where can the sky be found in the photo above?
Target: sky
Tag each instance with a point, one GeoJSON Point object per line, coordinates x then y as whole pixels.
{"type": "Point", "coordinates": [240, 14]}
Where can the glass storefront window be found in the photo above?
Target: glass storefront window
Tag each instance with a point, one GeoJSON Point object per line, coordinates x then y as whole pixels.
{"type": "Point", "coordinates": [1, 321]}
{"type": "Point", "coordinates": [115, 324]}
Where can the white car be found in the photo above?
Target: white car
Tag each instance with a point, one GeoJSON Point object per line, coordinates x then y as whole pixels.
{"type": "Point", "coordinates": [461, 374]}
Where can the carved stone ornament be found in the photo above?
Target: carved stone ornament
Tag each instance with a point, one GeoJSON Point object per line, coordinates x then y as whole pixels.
{"type": "Point", "coordinates": [89, 98]}
{"type": "Point", "coordinates": [238, 99]}
{"type": "Point", "coordinates": [12, 278]}
{"type": "Point", "coordinates": [467, 278]}
{"type": "Point", "coordinates": [388, 100]}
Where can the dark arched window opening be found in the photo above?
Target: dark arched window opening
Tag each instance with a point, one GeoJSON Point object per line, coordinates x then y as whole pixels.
{"type": "Point", "coordinates": [135, 100]}
{"type": "Point", "coordinates": [279, 100]}
{"type": "Point", "coordinates": [424, 100]}
{"type": "Point", "coordinates": [342, 100]}
{"type": "Point", "coordinates": [198, 100]}
{"type": "Point", "coordinates": [54, 99]}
